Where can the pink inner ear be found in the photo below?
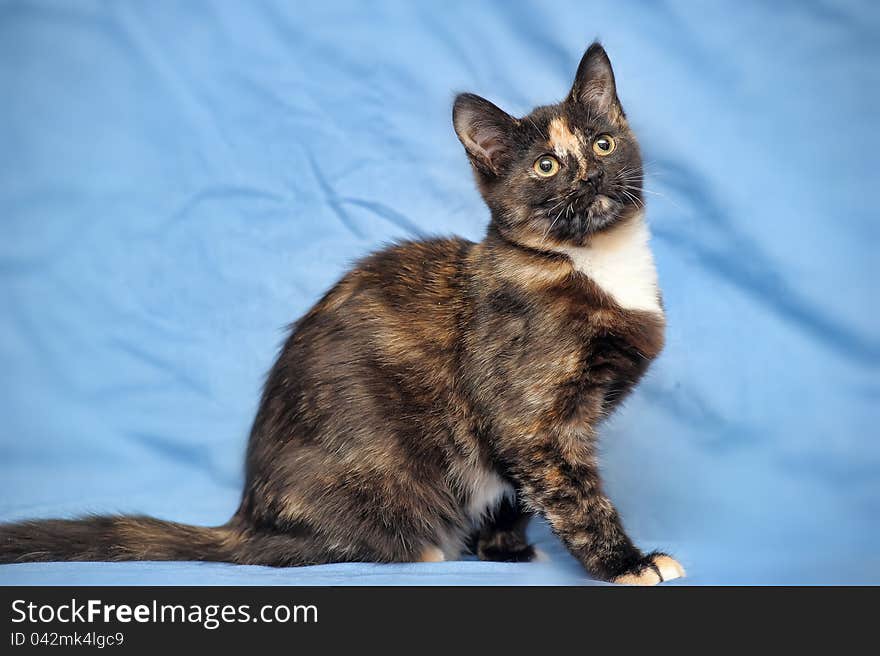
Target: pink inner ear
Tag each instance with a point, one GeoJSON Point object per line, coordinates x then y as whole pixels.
{"type": "Point", "coordinates": [483, 129]}
{"type": "Point", "coordinates": [598, 92]}
{"type": "Point", "coordinates": [489, 143]}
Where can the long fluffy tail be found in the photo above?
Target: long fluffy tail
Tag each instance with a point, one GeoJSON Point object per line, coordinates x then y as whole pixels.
{"type": "Point", "coordinates": [114, 539]}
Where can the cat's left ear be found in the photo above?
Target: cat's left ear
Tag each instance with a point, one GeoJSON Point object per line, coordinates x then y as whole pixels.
{"type": "Point", "coordinates": [594, 83]}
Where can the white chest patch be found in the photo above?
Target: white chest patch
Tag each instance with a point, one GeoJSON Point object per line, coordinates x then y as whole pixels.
{"type": "Point", "coordinates": [620, 262]}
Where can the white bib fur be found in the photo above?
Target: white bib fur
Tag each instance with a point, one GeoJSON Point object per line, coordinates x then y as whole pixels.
{"type": "Point", "coordinates": [619, 260]}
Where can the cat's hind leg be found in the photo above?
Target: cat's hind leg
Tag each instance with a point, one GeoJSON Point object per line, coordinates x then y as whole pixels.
{"type": "Point", "coordinates": [503, 535]}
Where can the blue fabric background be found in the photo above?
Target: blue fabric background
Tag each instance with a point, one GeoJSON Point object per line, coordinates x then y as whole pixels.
{"type": "Point", "coordinates": [180, 180]}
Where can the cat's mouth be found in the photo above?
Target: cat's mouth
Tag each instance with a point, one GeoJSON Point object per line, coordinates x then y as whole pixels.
{"type": "Point", "coordinates": [581, 217]}
{"type": "Point", "coordinates": [599, 212]}
{"type": "Point", "coordinates": [602, 205]}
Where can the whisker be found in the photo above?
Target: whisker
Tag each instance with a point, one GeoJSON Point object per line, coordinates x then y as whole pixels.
{"type": "Point", "coordinates": [549, 228]}
{"type": "Point", "coordinates": [555, 206]}
{"type": "Point", "coordinates": [635, 200]}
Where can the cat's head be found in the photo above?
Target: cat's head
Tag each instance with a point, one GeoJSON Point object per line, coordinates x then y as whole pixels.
{"type": "Point", "coordinates": [563, 172]}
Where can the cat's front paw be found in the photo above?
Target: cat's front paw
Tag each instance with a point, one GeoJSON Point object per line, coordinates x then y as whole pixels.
{"type": "Point", "coordinates": [656, 568]}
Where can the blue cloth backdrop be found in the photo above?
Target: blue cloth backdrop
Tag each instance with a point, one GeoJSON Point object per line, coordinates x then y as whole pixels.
{"type": "Point", "coordinates": [180, 180]}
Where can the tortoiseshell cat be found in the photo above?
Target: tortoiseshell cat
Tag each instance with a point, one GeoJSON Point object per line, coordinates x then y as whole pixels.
{"type": "Point", "coordinates": [444, 390]}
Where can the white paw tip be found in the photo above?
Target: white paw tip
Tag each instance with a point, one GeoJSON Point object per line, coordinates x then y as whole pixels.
{"type": "Point", "coordinates": [669, 569]}
{"type": "Point", "coordinates": [431, 554]}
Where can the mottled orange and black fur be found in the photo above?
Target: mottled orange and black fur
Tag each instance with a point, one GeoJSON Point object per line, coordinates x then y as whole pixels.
{"type": "Point", "coordinates": [443, 390]}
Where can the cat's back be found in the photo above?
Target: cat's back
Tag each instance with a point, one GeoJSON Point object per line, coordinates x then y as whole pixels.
{"type": "Point", "coordinates": [400, 304]}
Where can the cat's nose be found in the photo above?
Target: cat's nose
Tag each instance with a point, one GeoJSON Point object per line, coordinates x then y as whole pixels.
{"type": "Point", "coordinates": [593, 177]}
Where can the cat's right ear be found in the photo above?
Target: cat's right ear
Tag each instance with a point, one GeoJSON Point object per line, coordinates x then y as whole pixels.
{"type": "Point", "coordinates": [485, 131]}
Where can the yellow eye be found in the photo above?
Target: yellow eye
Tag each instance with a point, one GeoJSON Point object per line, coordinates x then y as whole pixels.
{"type": "Point", "coordinates": [546, 166]}
{"type": "Point", "coordinates": [604, 145]}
